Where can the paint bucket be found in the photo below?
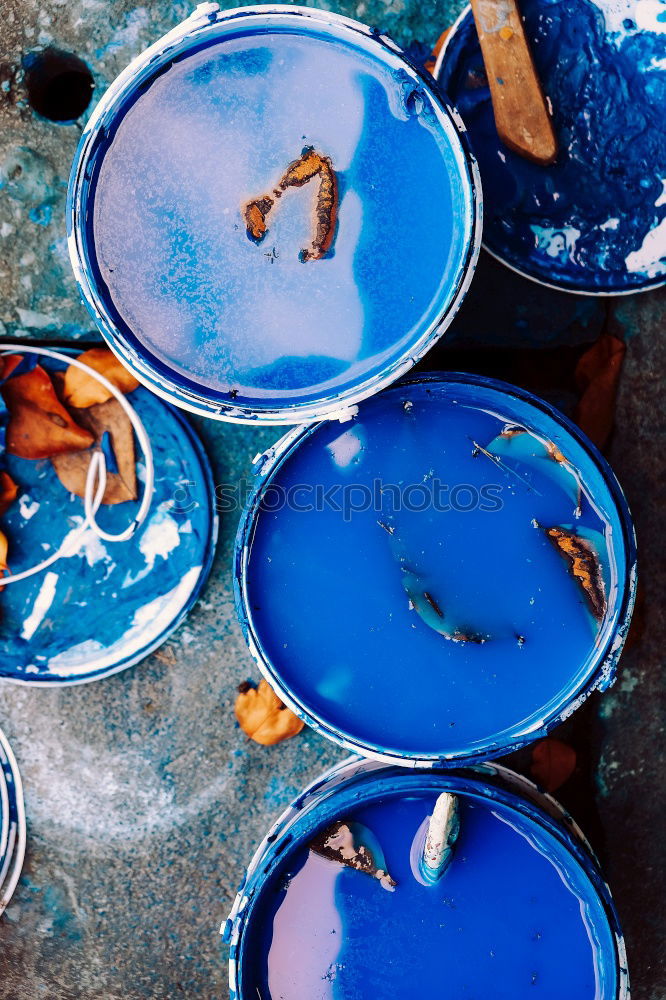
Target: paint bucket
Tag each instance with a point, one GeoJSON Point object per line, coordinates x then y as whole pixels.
{"type": "Point", "coordinates": [12, 824]}
{"type": "Point", "coordinates": [594, 222]}
{"type": "Point", "coordinates": [114, 582]}
{"type": "Point", "coordinates": [215, 121]}
{"type": "Point", "coordinates": [412, 582]}
{"type": "Point", "coordinates": [522, 901]}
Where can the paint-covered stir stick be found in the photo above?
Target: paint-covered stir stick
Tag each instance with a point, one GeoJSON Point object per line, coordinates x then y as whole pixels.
{"type": "Point", "coordinates": [521, 114]}
{"type": "Point", "coordinates": [441, 836]}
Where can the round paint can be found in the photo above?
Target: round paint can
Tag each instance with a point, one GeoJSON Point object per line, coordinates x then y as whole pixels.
{"type": "Point", "coordinates": [594, 222]}
{"type": "Point", "coordinates": [12, 824]}
{"type": "Point", "coordinates": [443, 578]}
{"type": "Point", "coordinates": [334, 903]}
{"type": "Point", "coordinates": [238, 231]}
{"type": "Point", "coordinates": [105, 605]}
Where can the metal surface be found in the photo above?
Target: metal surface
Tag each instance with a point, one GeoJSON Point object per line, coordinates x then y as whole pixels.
{"type": "Point", "coordinates": [144, 800]}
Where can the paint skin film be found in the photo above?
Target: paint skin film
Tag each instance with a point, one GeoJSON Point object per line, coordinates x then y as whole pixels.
{"type": "Point", "coordinates": [251, 316]}
{"type": "Point", "coordinates": [514, 916]}
{"type": "Point", "coordinates": [596, 219]}
{"type": "Point", "coordinates": [453, 614]}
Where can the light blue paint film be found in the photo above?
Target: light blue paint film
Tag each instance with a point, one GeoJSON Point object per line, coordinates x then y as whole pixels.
{"type": "Point", "coordinates": [520, 912]}
{"type": "Point", "coordinates": [595, 221]}
{"type": "Point", "coordinates": [107, 605]}
{"type": "Point", "coordinates": [248, 328]}
{"type": "Point", "coordinates": [399, 580]}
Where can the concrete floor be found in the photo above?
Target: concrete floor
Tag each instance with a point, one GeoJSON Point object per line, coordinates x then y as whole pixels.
{"type": "Point", "coordinates": [144, 799]}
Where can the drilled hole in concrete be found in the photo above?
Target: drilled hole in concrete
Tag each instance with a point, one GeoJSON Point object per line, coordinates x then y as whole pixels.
{"type": "Point", "coordinates": [59, 84]}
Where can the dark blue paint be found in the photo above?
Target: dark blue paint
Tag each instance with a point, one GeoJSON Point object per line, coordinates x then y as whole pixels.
{"type": "Point", "coordinates": [581, 223]}
{"type": "Point", "coordinates": [326, 591]}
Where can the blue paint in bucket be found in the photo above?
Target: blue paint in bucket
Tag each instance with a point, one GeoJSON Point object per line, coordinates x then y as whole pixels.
{"type": "Point", "coordinates": [397, 582]}
{"type": "Point", "coordinates": [521, 911]}
{"type": "Point", "coordinates": [208, 119]}
{"type": "Point", "coordinates": [595, 221]}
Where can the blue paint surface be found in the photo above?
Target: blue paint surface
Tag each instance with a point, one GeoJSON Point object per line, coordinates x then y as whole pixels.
{"type": "Point", "coordinates": [595, 220]}
{"type": "Point", "coordinates": [400, 585]}
{"type": "Point", "coordinates": [251, 324]}
{"type": "Point", "coordinates": [515, 915]}
{"type": "Point", "coordinates": [108, 604]}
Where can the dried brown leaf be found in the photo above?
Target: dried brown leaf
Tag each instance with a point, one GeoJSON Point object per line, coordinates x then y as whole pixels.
{"type": "Point", "coordinates": [8, 491]}
{"type": "Point", "coordinates": [263, 717]}
{"type": "Point", "coordinates": [81, 390]}
{"type": "Point", "coordinates": [584, 564]}
{"type": "Point", "coordinates": [39, 425]}
{"type": "Point", "coordinates": [597, 375]}
{"type": "Point", "coordinates": [72, 469]}
{"type": "Point", "coordinates": [553, 763]}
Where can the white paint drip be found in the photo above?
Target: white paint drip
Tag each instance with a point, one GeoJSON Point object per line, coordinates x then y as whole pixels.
{"type": "Point", "coordinates": [160, 537]}
{"type": "Point", "coordinates": [650, 258]}
{"type": "Point", "coordinates": [28, 507]}
{"type": "Point", "coordinates": [43, 602]}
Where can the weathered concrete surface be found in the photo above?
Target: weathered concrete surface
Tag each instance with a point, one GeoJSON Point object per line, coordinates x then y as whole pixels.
{"type": "Point", "coordinates": [144, 799]}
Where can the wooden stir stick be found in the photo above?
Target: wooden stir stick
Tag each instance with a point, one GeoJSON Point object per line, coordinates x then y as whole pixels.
{"type": "Point", "coordinates": [519, 105]}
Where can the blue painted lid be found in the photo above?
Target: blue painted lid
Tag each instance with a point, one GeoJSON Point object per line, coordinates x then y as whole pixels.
{"type": "Point", "coordinates": [106, 605]}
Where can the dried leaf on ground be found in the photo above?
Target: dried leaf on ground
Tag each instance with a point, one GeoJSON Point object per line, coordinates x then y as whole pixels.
{"type": "Point", "coordinates": [72, 470]}
{"type": "Point", "coordinates": [8, 491]}
{"type": "Point", "coordinates": [263, 717]}
{"type": "Point", "coordinates": [597, 375]}
{"type": "Point", "coordinates": [39, 425]}
{"type": "Point", "coordinates": [553, 763]}
{"type": "Point", "coordinates": [81, 390]}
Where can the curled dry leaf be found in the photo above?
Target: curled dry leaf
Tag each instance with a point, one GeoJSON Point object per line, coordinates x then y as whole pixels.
{"type": "Point", "coordinates": [584, 564]}
{"type": "Point", "coordinates": [39, 425]}
{"type": "Point", "coordinates": [553, 763]}
{"type": "Point", "coordinates": [597, 375]}
{"type": "Point", "coordinates": [8, 491]}
{"type": "Point", "coordinates": [263, 717]}
{"type": "Point", "coordinates": [72, 470]}
{"type": "Point", "coordinates": [81, 390]}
